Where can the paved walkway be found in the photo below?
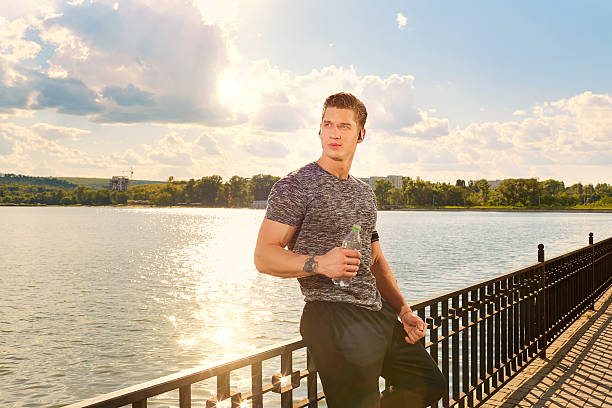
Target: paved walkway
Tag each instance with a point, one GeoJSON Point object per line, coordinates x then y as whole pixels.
{"type": "Point", "coordinates": [577, 371]}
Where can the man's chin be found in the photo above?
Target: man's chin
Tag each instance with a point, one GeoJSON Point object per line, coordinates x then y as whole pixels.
{"type": "Point", "coordinates": [336, 158]}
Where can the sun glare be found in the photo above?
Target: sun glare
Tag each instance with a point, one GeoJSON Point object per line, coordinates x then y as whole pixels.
{"type": "Point", "coordinates": [229, 92]}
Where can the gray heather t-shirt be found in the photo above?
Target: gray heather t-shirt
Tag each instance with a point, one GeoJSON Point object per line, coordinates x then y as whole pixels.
{"type": "Point", "coordinates": [324, 207]}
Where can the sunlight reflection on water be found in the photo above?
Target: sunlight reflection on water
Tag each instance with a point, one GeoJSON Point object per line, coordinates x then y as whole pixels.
{"type": "Point", "coordinates": [96, 299]}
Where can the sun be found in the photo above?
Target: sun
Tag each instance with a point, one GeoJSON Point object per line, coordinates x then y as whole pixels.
{"type": "Point", "coordinates": [228, 90]}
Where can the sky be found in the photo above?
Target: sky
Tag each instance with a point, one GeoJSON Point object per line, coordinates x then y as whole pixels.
{"type": "Point", "coordinates": [454, 89]}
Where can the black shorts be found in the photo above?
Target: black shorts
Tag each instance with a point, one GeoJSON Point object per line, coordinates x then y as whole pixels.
{"type": "Point", "coordinates": [353, 347]}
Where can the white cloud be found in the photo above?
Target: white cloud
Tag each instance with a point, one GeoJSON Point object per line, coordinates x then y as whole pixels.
{"type": "Point", "coordinates": [399, 151]}
{"type": "Point", "coordinates": [147, 71]}
{"type": "Point", "coordinates": [6, 145]}
{"type": "Point", "coordinates": [533, 134]}
{"type": "Point", "coordinates": [401, 21]}
{"type": "Point", "coordinates": [519, 112]}
{"type": "Point", "coordinates": [130, 157]}
{"type": "Point", "coordinates": [284, 101]}
{"type": "Point", "coordinates": [209, 144]}
{"type": "Point", "coordinates": [593, 116]}
{"type": "Point", "coordinates": [54, 132]}
{"type": "Point", "coordinates": [428, 128]}
{"type": "Point", "coordinates": [271, 149]}
{"type": "Point", "coordinates": [172, 149]}
{"type": "Point", "coordinates": [18, 9]}
{"type": "Point", "coordinates": [30, 148]}
{"type": "Point", "coordinates": [280, 117]}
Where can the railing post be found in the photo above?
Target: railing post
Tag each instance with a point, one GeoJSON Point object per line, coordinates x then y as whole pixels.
{"type": "Point", "coordinates": [592, 304]}
{"type": "Point", "coordinates": [544, 318]}
{"type": "Point", "coordinates": [185, 397]}
{"type": "Point", "coordinates": [541, 253]}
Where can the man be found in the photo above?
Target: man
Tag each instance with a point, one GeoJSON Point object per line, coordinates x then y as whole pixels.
{"type": "Point", "coordinates": [353, 331]}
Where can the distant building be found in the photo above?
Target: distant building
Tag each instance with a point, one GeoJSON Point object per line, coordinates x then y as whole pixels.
{"type": "Point", "coordinates": [260, 204]}
{"type": "Point", "coordinates": [398, 181]}
{"type": "Point", "coordinates": [119, 183]}
{"type": "Point", "coordinates": [494, 183]}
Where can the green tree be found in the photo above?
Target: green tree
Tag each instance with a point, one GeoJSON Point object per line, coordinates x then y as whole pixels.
{"type": "Point", "coordinates": [382, 189]}
{"type": "Point", "coordinates": [162, 198]}
{"type": "Point", "coordinates": [222, 199]}
{"type": "Point", "coordinates": [396, 197]}
{"type": "Point", "coordinates": [101, 197]}
{"type": "Point", "coordinates": [207, 189]}
{"type": "Point", "coordinates": [519, 192]}
{"type": "Point", "coordinates": [483, 188]}
{"type": "Point", "coordinates": [259, 186]}
{"type": "Point", "coordinates": [238, 192]}
{"type": "Point", "coordinates": [552, 187]}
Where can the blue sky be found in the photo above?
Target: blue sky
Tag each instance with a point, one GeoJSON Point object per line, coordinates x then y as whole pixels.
{"type": "Point", "coordinates": [187, 89]}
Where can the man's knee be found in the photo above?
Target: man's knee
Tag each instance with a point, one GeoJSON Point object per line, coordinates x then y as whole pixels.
{"type": "Point", "coordinates": [437, 389]}
{"type": "Point", "coordinates": [428, 392]}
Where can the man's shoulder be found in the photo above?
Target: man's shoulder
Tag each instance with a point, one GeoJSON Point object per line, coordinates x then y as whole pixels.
{"type": "Point", "coordinates": [300, 177]}
{"type": "Point", "coordinates": [361, 183]}
{"type": "Point", "coordinates": [363, 186]}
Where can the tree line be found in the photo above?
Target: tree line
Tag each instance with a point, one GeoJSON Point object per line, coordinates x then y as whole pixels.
{"type": "Point", "coordinates": [209, 191]}
{"type": "Point", "coordinates": [516, 193]}
{"type": "Point", "coordinates": [240, 192]}
{"type": "Point", "coordinates": [10, 178]}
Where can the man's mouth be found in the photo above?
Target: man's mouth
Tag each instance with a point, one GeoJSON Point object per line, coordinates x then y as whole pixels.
{"type": "Point", "coordinates": [334, 145]}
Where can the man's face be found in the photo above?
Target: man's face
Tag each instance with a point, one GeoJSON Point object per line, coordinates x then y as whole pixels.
{"type": "Point", "coordinates": [339, 133]}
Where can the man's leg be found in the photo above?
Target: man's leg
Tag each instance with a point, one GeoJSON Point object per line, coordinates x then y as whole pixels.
{"type": "Point", "coordinates": [348, 345]}
{"type": "Point", "coordinates": [411, 370]}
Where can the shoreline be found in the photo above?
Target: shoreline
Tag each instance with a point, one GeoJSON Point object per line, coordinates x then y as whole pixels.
{"type": "Point", "coordinates": [558, 210]}
{"type": "Point", "coordinates": [454, 209]}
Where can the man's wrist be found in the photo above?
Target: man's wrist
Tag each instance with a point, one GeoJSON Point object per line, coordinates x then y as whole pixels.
{"type": "Point", "coordinates": [311, 266]}
{"type": "Point", "coordinates": [404, 311]}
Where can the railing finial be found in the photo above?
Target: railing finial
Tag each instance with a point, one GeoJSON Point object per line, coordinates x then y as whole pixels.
{"type": "Point", "coordinates": [541, 253]}
{"type": "Point", "coordinates": [590, 238]}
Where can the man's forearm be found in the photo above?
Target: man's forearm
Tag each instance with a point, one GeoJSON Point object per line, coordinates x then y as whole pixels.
{"type": "Point", "coordinates": [276, 261]}
{"type": "Point", "coordinates": [387, 286]}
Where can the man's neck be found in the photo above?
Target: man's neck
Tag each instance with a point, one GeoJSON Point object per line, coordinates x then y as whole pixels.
{"type": "Point", "coordinates": [337, 168]}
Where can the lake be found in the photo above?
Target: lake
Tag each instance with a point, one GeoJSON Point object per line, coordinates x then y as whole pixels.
{"type": "Point", "coordinates": [97, 299]}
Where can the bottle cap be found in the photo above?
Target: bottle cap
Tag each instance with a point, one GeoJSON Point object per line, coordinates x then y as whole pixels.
{"type": "Point", "coordinates": [356, 227]}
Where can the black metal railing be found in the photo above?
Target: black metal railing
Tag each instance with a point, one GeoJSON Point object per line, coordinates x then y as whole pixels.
{"type": "Point", "coordinates": [480, 335]}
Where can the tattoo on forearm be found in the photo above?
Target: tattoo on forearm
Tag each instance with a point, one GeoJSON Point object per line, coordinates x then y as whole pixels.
{"type": "Point", "coordinates": [311, 265]}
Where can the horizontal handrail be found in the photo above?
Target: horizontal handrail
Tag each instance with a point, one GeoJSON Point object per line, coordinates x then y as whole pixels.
{"type": "Point", "coordinates": [185, 377]}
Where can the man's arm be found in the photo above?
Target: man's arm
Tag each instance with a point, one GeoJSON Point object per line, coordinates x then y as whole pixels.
{"type": "Point", "coordinates": [272, 258]}
{"type": "Point", "coordinates": [389, 290]}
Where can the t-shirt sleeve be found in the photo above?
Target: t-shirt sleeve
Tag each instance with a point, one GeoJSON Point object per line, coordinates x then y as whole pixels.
{"type": "Point", "coordinates": [287, 202]}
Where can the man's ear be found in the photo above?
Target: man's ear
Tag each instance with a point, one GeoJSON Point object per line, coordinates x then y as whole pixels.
{"type": "Point", "coordinates": [361, 136]}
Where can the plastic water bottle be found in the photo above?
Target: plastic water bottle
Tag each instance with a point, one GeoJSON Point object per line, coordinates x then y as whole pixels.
{"type": "Point", "coordinates": [351, 241]}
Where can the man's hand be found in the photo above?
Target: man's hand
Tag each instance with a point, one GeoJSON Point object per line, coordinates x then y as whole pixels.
{"type": "Point", "coordinates": [414, 327]}
{"type": "Point", "coordinates": [339, 263]}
